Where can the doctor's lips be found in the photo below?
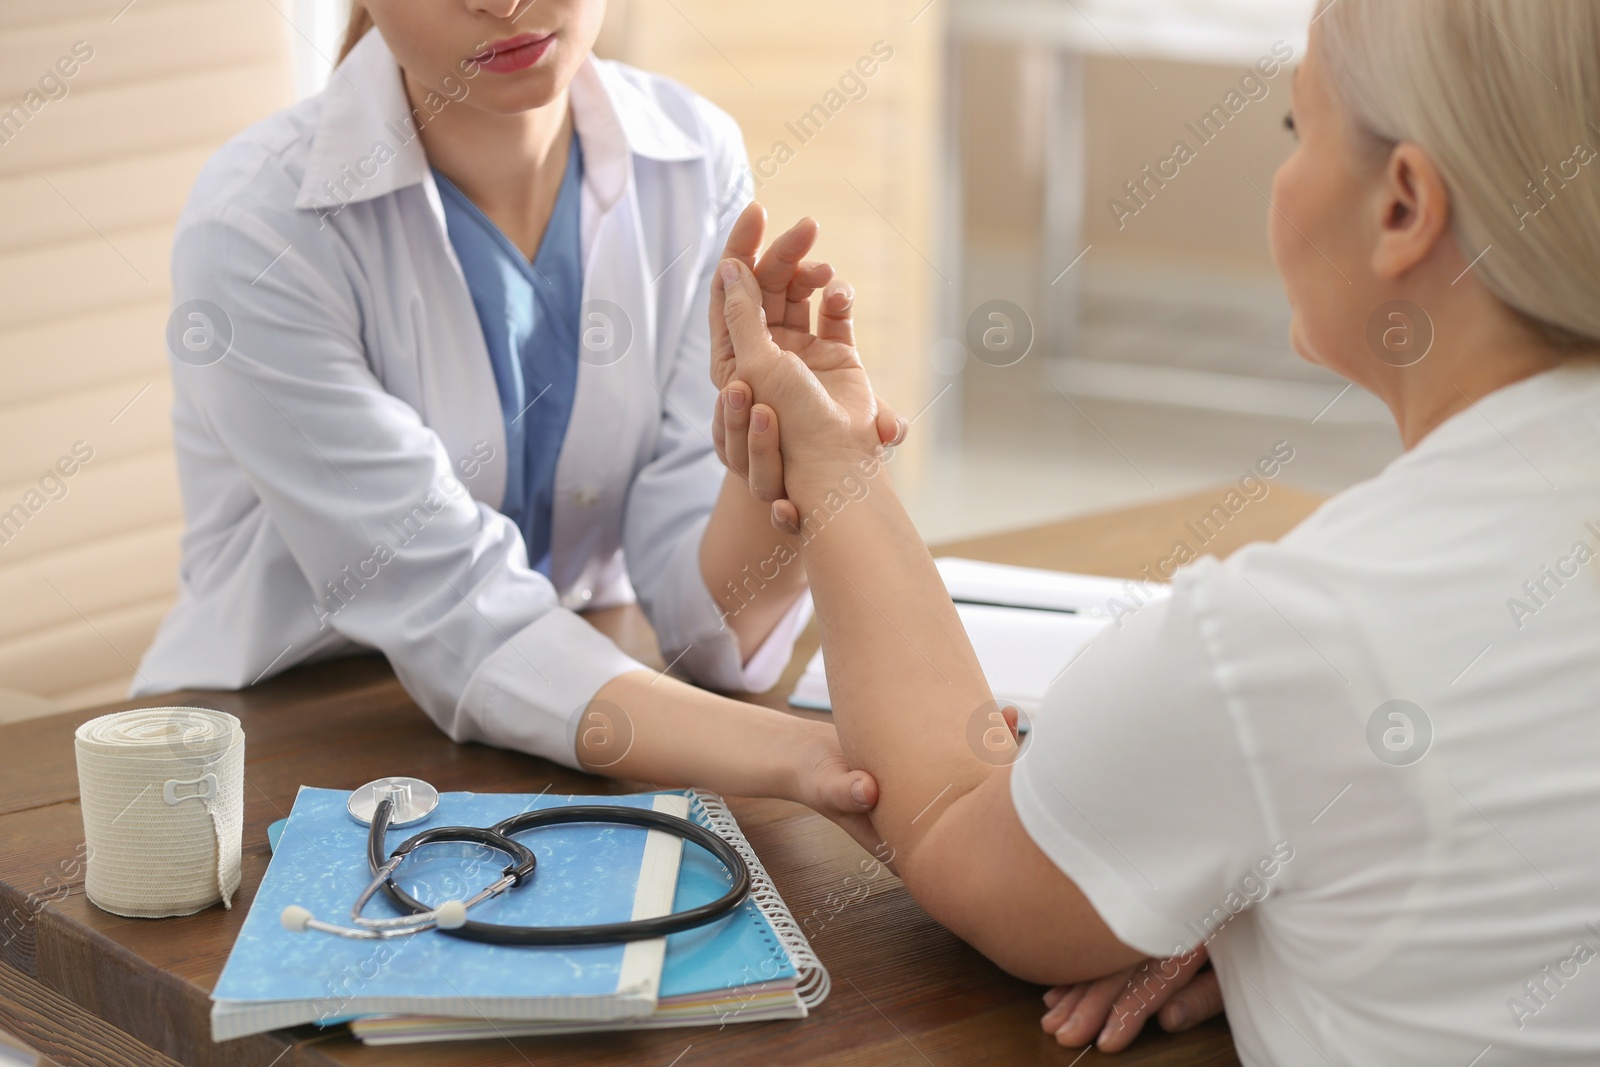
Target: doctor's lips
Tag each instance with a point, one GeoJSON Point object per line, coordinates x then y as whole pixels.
{"type": "Point", "coordinates": [514, 53]}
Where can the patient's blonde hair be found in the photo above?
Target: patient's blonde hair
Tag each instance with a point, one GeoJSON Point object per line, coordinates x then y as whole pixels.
{"type": "Point", "coordinates": [1504, 96]}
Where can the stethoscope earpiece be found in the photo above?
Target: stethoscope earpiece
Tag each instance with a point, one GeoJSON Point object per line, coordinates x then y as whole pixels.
{"type": "Point", "coordinates": [451, 915]}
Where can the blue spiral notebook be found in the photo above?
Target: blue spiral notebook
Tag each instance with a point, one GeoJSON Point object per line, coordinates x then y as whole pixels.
{"type": "Point", "coordinates": [586, 874]}
{"type": "Point", "coordinates": [754, 965]}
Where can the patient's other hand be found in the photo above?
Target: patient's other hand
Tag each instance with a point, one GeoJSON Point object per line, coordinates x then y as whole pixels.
{"type": "Point", "coordinates": [1111, 1011]}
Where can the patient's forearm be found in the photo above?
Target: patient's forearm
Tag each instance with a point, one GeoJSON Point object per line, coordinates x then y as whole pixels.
{"type": "Point", "coordinates": [902, 676]}
{"type": "Point", "coordinates": [911, 705]}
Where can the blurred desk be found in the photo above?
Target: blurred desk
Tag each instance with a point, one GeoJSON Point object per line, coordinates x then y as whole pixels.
{"type": "Point", "coordinates": [86, 987]}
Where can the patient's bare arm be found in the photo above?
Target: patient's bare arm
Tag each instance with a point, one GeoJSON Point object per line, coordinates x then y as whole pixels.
{"type": "Point", "coordinates": [902, 674]}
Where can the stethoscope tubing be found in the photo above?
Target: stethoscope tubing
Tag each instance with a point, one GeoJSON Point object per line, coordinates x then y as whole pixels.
{"type": "Point", "coordinates": [501, 837]}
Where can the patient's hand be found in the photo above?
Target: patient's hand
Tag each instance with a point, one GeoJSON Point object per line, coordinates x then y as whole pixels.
{"type": "Point", "coordinates": [786, 278]}
{"type": "Point", "coordinates": [817, 385]}
{"type": "Point", "coordinates": [787, 281]}
{"type": "Point", "coordinates": [1112, 1011]}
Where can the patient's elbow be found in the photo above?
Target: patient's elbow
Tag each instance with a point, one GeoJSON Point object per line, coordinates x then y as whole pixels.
{"type": "Point", "coordinates": [990, 915]}
{"type": "Point", "coordinates": [988, 927]}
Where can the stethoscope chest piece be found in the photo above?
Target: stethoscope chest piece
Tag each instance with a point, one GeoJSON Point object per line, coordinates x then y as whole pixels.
{"type": "Point", "coordinates": [412, 800]}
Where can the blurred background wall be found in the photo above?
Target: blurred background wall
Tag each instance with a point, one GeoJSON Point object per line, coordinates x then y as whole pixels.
{"type": "Point", "coordinates": [94, 168]}
{"type": "Point", "coordinates": [974, 164]}
{"type": "Point", "coordinates": [857, 151]}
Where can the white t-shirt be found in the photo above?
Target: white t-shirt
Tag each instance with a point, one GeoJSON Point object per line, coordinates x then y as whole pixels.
{"type": "Point", "coordinates": [1234, 749]}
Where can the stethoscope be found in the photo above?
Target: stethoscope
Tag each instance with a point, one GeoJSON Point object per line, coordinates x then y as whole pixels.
{"type": "Point", "coordinates": [397, 802]}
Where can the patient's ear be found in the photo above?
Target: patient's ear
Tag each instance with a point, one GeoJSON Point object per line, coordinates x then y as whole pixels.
{"type": "Point", "coordinates": [1413, 208]}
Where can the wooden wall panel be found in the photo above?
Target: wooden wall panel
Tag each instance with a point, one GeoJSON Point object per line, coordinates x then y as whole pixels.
{"type": "Point", "coordinates": [91, 184]}
{"type": "Point", "coordinates": [869, 175]}
{"type": "Point", "coordinates": [103, 345]}
{"type": "Point", "coordinates": [138, 192]}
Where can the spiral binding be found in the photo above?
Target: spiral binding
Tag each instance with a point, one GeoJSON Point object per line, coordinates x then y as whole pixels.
{"type": "Point", "coordinates": [814, 983]}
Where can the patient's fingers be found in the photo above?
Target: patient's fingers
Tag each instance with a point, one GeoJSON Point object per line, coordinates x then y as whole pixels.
{"type": "Point", "coordinates": [836, 320]}
{"type": "Point", "coordinates": [779, 263]}
{"type": "Point", "coordinates": [1059, 1003]}
{"type": "Point", "coordinates": [744, 241]}
{"type": "Point", "coordinates": [747, 327]}
{"type": "Point", "coordinates": [1193, 1004]}
{"type": "Point", "coordinates": [797, 303]}
{"type": "Point", "coordinates": [766, 462]}
{"type": "Point", "coordinates": [1151, 989]}
{"type": "Point", "coordinates": [1087, 1018]}
{"type": "Point", "coordinates": [808, 279]}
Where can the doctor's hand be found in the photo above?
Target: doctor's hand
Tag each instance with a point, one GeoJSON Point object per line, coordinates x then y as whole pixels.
{"type": "Point", "coordinates": [827, 784]}
{"type": "Point", "coordinates": [787, 282]}
{"type": "Point", "coordinates": [1180, 993]}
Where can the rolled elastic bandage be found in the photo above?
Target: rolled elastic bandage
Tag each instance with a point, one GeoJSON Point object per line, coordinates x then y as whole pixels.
{"type": "Point", "coordinates": [162, 792]}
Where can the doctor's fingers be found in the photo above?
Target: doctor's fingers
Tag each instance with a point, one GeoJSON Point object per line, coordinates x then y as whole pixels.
{"type": "Point", "coordinates": [731, 428]}
{"type": "Point", "coordinates": [797, 301]}
{"type": "Point", "coordinates": [766, 461]}
{"type": "Point", "coordinates": [779, 263]}
{"type": "Point", "coordinates": [892, 431]}
{"type": "Point", "coordinates": [786, 519]}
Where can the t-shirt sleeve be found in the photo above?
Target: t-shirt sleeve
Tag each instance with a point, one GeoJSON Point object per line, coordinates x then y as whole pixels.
{"type": "Point", "coordinates": [1136, 782]}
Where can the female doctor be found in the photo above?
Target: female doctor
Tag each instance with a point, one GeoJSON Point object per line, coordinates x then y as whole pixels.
{"type": "Point", "coordinates": [440, 351]}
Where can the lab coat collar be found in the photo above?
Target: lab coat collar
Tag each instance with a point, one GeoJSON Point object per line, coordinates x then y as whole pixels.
{"type": "Point", "coordinates": [615, 119]}
{"type": "Point", "coordinates": [366, 143]}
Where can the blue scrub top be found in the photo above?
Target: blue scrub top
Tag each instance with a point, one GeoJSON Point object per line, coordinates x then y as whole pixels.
{"type": "Point", "coordinates": [529, 314]}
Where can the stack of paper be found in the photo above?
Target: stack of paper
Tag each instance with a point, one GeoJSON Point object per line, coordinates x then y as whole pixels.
{"type": "Point", "coordinates": [752, 965]}
{"type": "Point", "coordinates": [1026, 626]}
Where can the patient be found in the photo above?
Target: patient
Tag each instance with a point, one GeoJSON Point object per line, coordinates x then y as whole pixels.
{"type": "Point", "coordinates": [1359, 768]}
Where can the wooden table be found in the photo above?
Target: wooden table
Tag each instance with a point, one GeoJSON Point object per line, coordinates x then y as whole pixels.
{"type": "Point", "coordinates": [87, 987]}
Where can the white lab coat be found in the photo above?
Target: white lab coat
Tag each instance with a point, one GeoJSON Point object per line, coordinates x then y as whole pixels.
{"type": "Point", "coordinates": [341, 464]}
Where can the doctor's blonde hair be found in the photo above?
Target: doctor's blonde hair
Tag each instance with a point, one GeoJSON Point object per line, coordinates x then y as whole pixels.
{"type": "Point", "coordinates": [1504, 96]}
{"type": "Point", "coordinates": [360, 22]}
